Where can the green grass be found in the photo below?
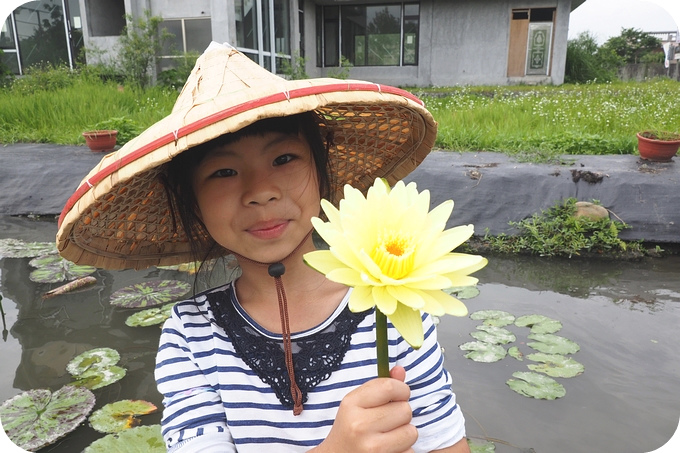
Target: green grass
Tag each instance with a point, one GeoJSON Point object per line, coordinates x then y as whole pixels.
{"type": "Point", "coordinates": [539, 123]}
{"type": "Point", "coordinates": [61, 115]}
{"type": "Point", "coordinates": [532, 123]}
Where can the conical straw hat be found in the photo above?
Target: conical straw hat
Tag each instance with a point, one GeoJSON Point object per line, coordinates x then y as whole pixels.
{"type": "Point", "coordinates": [119, 217]}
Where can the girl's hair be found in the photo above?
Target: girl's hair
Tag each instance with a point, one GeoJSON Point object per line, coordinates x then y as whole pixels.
{"type": "Point", "coordinates": [179, 171]}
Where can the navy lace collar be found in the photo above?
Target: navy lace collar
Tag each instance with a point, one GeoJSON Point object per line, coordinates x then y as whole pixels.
{"type": "Point", "coordinates": [315, 356]}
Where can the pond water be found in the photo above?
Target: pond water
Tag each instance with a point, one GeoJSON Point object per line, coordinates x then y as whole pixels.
{"type": "Point", "coordinates": [624, 316]}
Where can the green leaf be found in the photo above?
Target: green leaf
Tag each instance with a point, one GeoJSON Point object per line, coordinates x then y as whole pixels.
{"type": "Point", "coordinates": [539, 323]}
{"type": "Point", "coordinates": [37, 418]}
{"type": "Point", "coordinates": [99, 378]}
{"type": "Point", "coordinates": [142, 439]}
{"type": "Point", "coordinates": [54, 269]}
{"type": "Point", "coordinates": [121, 415]}
{"type": "Point", "coordinates": [150, 293]}
{"type": "Point", "coordinates": [478, 446]}
{"type": "Point", "coordinates": [515, 353]}
{"type": "Point", "coordinates": [190, 268]}
{"type": "Point", "coordinates": [536, 385]}
{"type": "Point", "coordinates": [96, 368]}
{"type": "Point", "coordinates": [463, 292]}
{"type": "Point", "coordinates": [92, 360]}
{"type": "Point", "coordinates": [496, 318]}
{"type": "Point", "coordinates": [16, 248]}
{"type": "Point", "coordinates": [552, 344]}
{"type": "Point", "coordinates": [150, 316]}
{"type": "Point", "coordinates": [493, 334]}
{"type": "Point", "coordinates": [483, 352]}
{"type": "Point", "coordinates": [556, 365]}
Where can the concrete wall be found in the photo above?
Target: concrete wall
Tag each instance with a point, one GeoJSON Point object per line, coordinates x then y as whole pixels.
{"type": "Point", "coordinates": [462, 42]}
{"type": "Point", "coordinates": [643, 71]}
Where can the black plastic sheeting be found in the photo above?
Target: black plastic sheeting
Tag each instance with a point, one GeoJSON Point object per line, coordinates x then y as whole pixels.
{"type": "Point", "coordinates": [489, 189]}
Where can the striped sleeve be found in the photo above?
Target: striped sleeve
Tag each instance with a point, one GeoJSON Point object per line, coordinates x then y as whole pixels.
{"type": "Point", "coordinates": [192, 407]}
{"type": "Point", "coordinates": [438, 418]}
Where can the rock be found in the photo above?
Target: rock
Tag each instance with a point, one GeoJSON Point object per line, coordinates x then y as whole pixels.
{"type": "Point", "coordinates": [590, 210]}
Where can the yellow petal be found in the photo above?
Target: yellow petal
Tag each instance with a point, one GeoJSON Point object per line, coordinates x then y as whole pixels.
{"type": "Point", "coordinates": [409, 324]}
{"type": "Point", "coordinates": [370, 266]}
{"type": "Point", "coordinates": [346, 276]}
{"type": "Point", "coordinates": [323, 261]}
{"type": "Point", "coordinates": [331, 212]}
{"type": "Point", "coordinates": [462, 280]}
{"type": "Point", "coordinates": [459, 263]}
{"type": "Point", "coordinates": [407, 296]}
{"type": "Point", "coordinates": [449, 304]}
{"type": "Point", "coordinates": [427, 282]}
{"type": "Point", "coordinates": [384, 300]}
{"type": "Point", "coordinates": [360, 299]}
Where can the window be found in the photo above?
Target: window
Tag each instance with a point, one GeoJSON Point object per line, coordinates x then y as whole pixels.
{"type": "Point", "coordinates": [8, 45]}
{"type": "Point", "coordinates": [189, 35]}
{"type": "Point", "coordinates": [41, 33]}
{"type": "Point", "coordinates": [263, 31]}
{"type": "Point", "coordinates": [105, 17]}
{"type": "Point", "coordinates": [368, 35]}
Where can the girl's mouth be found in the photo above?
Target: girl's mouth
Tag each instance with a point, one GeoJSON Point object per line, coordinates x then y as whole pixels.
{"type": "Point", "coordinates": [271, 229]}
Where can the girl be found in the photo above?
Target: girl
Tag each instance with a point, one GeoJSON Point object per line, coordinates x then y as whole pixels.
{"type": "Point", "coordinates": [274, 358]}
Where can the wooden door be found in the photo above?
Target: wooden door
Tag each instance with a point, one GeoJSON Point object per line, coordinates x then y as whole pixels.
{"type": "Point", "coordinates": [517, 47]}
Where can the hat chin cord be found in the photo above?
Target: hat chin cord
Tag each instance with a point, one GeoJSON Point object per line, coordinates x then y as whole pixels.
{"type": "Point", "coordinates": [276, 270]}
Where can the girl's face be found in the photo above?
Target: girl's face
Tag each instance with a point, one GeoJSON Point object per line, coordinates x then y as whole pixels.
{"type": "Point", "coordinates": [256, 196]}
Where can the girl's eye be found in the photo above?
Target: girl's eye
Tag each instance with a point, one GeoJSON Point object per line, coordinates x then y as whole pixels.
{"type": "Point", "coordinates": [224, 173]}
{"type": "Point", "coordinates": [283, 159]}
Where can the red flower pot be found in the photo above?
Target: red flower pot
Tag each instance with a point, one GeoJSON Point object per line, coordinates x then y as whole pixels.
{"type": "Point", "coordinates": [103, 140]}
{"type": "Point", "coordinates": [657, 150]}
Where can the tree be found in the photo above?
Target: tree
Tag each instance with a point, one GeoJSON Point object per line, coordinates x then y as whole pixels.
{"type": "Point", "coordinates": [141, 43]}
{"type": "Point", "coordinates": [586, 63]}
{"type": "Point", "coordinates": [632, 44]}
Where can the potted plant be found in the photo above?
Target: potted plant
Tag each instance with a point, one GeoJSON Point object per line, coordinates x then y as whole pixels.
{"type": "Point", "coordinates": [658, 146]}
{"type": "Point", "coordinates": [101, 139]}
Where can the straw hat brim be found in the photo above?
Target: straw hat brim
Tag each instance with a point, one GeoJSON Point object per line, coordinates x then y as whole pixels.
{"type": "Point", "coordinates": [120, 217]}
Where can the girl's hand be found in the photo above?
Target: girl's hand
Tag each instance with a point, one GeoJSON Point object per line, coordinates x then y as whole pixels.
{"type": "Point", "coordinates": [374, 417]}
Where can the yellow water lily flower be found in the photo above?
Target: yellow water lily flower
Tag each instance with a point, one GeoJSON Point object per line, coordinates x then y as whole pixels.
{"type": "Point", "coordinates": [396, 254]}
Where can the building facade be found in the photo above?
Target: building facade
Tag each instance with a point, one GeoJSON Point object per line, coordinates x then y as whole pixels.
{"type": "Point", "coordinates": [403, 43]}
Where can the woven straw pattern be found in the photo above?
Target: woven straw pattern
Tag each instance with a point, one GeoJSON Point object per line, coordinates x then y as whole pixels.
{"type": "Point", "coordinates": [120, 215]}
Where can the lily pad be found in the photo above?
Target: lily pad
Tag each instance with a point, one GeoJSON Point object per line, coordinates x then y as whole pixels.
{"type": "Point", "coordinates": [515, 353]}
{"type": "Point", "coordinates": [150, 316]}
{"type": "Point", "coordinates": [99, 378]}
{"type": "Point", "coordinates": [479, 446]}
{"type": "Point", "coordinates": [91, 360]}
{"type": "Point", "coordinates": [96, 368]}
{"type": "Point", "coordinates": [552, 344]}
{"type": "Point", "coordinates": [493, 334]}
{"type": "Point", "coordinates": [556, 365]}
{"type": "Point", "coordinates": [496, 318]}
{"type": "Point", "coordinates": [483, 352]}
{"type": "Point", "coordinates": [150, 294]}
{"type": "Point", "coordinates": [536, 385]}
{"type": "Point", "coordinates": [142, 439]}
{"type": "Point", "coordinates": [37, 418]}
{"type": "Point", "coordinates": [463, 292]}
{"type": "Point", "coordinates": [54, 269]}
{"type": "Point", "coordinates": [16, 248]}
{"type": "Point", "coordinates": [539, 323]}
{"type": "Point", "coordinates": [121, 415]}
{"type": "Point", "coordinates": [190, 268]}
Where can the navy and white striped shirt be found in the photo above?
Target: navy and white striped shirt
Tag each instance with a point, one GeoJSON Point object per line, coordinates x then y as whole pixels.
{"type": "Point", "coordinates": [212, 397]}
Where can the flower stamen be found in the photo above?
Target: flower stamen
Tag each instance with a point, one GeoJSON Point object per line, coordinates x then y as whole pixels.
{"type": "Point", "coordinates": [394, 254]}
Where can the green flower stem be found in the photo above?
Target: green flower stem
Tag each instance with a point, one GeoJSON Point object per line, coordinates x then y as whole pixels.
{"type": "Point", "coordinates": [381, 343]}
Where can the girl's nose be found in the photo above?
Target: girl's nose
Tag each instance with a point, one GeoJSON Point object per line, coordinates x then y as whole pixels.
{"type": "Point", "coordinates": [261, 190]}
